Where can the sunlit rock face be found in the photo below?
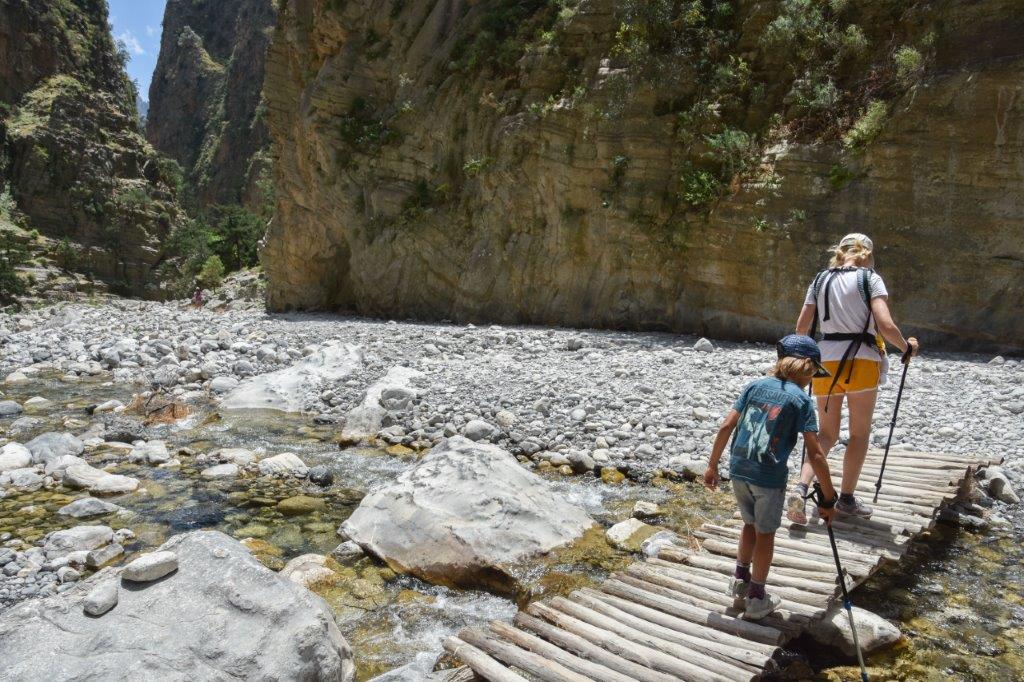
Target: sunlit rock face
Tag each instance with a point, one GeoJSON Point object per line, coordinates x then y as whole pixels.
{"type": "Point", "coordinates": [512, 162]}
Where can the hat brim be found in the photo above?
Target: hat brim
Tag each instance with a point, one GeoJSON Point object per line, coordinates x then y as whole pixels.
{"type": "Point", "coordinates": [819, 371]}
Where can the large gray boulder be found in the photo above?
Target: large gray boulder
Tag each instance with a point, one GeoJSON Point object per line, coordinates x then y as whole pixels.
{"type": "Point", "coordinates": [392, 391]}
{"type": "Point", "coordinates": [52, 445]}
{"type": "Point", "coordinates": [287, 389]}
{"type": "Point", "coordinates": [222, 615]}
{"type": "Point", "coordinates": [464, 516]}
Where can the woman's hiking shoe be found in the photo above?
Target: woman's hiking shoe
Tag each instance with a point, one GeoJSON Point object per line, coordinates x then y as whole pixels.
{"type": "Point", "coordinates": [855, 508]}
{"type": "Point", "coordinates": [796, 508]}
{"type": "Point", "coordinates": [756, 609]}
{"type": "Point", "coordinates": [738, 588]}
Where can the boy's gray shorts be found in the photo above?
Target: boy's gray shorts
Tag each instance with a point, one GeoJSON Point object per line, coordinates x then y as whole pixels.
{"type": "Point", "coordinates": [759, 506]}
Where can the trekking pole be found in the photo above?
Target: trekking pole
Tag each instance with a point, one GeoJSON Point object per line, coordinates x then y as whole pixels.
{"type": "Point", "coordinates": [819, 496]}
{"type": "Point", "coordinates": [892, 424]}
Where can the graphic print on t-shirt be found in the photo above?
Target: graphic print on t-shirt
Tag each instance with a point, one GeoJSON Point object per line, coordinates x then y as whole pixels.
{"type": "Point", "coordinates": [760, 421]}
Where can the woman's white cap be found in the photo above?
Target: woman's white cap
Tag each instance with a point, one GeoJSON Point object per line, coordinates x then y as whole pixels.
{"type": "Point", "coordinates": [854, 238]}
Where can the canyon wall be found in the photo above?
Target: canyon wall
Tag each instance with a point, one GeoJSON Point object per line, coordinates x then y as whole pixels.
{"type": "Point", "coordinates": [205, 98]}
{"type": "Point", "coordinates": [72, 155]}
{"type": "Point", "coordinates": [677, 166]}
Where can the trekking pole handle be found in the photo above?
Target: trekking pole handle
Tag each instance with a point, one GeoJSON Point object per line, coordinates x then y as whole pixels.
{"type": "Point", "coordinates": [907, 354]}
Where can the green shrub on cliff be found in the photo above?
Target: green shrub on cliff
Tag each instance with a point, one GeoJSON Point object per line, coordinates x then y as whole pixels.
{"type": "Point", "coordinates": [909, 64]}
{"type": "Point", "coordinates": [867, 126]}
{"type": "Point", "coordinates": [699, 188]}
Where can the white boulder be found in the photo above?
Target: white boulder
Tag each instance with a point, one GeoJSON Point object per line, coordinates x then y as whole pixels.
{"type": "Point", "coordinates": [464, 516]}
{"type": "Point", "coordinates": [285, 389]}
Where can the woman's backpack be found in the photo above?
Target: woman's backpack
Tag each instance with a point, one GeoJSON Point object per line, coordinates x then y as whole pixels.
{"type": "Point", "coordinates": [823, 280]}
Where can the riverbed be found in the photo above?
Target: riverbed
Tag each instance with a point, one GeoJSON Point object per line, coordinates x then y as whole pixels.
{"type": "Point", "coordinates": [648, 401]}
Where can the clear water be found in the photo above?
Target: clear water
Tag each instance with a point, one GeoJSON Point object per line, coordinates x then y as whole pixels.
{"type": "Point", "coordinates": [959, 602]}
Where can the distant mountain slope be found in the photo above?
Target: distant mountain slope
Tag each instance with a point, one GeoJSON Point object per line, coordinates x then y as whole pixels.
{"type": "Point", "coordinates": [71, 150]}
{"type": "Point", "coordinates": [206, 92]}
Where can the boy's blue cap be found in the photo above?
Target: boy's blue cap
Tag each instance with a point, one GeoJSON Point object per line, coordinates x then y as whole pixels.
{"type": "Point", "coordinates": [800, 346]}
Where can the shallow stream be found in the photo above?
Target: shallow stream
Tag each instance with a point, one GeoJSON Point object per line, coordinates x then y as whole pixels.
{"type": "Point", "coordinates": [960, 604]}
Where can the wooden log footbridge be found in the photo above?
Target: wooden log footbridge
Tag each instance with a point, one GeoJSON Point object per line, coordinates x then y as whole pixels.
{"type": "Point", "coordinates": [670, 618]}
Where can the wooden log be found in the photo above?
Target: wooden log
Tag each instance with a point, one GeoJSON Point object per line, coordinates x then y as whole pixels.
{"type": "Point", "coordinates": [586, 649]}
{"type": "Point", "coordinates": [861, 526]}
{"type": "Point", "coordinates": [714, 562]}
{"type": "Point", "coordinates": [538, 666]}
{"type": "Point", "coordinates": [894, 545]}
{"type": "Point", "coordinates": [720, 582]}
{"type": "Point", "coordinates": [802, 546]}
{"type": "Point", "coordinates": [738, 651]}
{"type": "Point", "coordinates": [526, 640]}
{"type": "Point", "coordinates": [783, 557]}
{"type": "Point", "coordinates": [480, 662]}
{"type": "Point", "coordinates": [787, 535]}
{"type": "Point", "coordinates": [756, 632]}
{"type": "Point", "coordinates": [644, 636]}
{"type": "Point", "coordinates": [817, 590]}
{"type": "Point", "coordinates": [782, 619]}
{"type": "Point", "coordinates": [732, 646]}
{"type": "Point", "coordinates": [718, 597]}
{"type": "Point", "coordinates": [620, 646]}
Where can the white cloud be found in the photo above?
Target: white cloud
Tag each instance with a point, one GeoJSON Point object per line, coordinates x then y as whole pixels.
{"type": "Point", "coordinates": [131, 42]}
{"type": "Point", "coordinates": [151, 31]}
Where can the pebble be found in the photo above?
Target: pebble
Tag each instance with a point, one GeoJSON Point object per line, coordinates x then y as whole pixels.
{"type": "Point", "coordinates": [151, 566]}
{"type": "Point", "coordinates": [101, 598]}
{"type": "Point", "coordinates": [220, 471]}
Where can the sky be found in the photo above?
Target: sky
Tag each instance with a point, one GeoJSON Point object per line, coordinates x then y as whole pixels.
{"type": "Point", "coordinates": [137, 24]}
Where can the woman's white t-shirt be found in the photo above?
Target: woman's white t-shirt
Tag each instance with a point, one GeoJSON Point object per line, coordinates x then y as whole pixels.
{"type": "Point", "coordinates": [847, 312]}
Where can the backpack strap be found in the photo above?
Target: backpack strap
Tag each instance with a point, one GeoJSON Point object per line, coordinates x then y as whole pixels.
{"type": "Point", "coordinates": [815, 290]}
{"type": "Point", "coordinates": [864, 284]}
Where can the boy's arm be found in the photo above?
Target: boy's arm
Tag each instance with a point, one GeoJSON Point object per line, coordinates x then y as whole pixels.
{"type": "Point", "coordinates": [816, 458]}
{"type": "Point", "coordinates": [721, 440]}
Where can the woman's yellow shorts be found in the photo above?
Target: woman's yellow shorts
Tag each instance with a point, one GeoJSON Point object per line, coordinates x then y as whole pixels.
{"type": "Point", "coordinates": [865, 377]}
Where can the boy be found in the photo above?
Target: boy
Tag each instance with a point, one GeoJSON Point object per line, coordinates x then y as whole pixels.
{"type": "Point", "coordinates": [770, 413]}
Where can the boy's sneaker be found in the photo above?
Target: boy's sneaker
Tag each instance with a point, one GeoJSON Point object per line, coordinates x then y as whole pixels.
{"type": "Point", "coordinates": [756, 609]}
{"type": "Point", "coordinates": [855, 508]}
{"type": "Point", "coordinates": [796, 507]}
{"type": "Point", "coordinates": [738, 588]}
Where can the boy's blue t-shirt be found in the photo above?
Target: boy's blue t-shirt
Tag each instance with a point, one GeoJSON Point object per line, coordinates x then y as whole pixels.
{"type": "Point", "coordinates": [773, 413]}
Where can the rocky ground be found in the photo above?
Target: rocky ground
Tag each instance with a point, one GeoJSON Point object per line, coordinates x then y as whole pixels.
{"type": "Point", "coordinates": [613, 405]}
{"type": "Point", "coordinates": [638, 402]}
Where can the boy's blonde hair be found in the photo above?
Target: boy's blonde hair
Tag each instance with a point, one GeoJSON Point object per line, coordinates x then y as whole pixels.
{"type": "Point", "coordinates": [793, 369]}
{"type": "Point", "coordinates": [858, 251]}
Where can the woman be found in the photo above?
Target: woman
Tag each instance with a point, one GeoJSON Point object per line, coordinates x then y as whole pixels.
{"type": "Point", "coordinates": [851, 302]}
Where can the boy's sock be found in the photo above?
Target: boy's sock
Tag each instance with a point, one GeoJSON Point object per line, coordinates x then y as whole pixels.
{"type": "Point", "coordinates": [742, 572]}
{"type": "Point", "coordinates": [756, 590]}
{"type": "Point", "coordinates": [847, 498]}
{"type": "Point", "coordinates": [802, 487]}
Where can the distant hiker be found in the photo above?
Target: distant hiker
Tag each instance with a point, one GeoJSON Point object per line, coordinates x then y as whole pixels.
{"type": "Point", "coordinates": [850, 301]}
{"type": "Point", "coordinates": [197, 297]}
{"type": "Point", "coordinates": [767, 418]}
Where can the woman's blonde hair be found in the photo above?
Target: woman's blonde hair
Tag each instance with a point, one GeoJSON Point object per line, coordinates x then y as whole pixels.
{"type": "Point", "coordinates": [793, 369]}
{"type": "Point", "coordinates": [843, 253]}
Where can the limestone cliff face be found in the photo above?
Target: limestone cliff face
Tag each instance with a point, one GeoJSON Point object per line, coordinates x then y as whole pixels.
{"type": "Point", "coordinates": [71, 151]}
{"type": "Point", "coordinates": [580, 163]}
{"type": "Point", "coordinates": [205, 98]}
